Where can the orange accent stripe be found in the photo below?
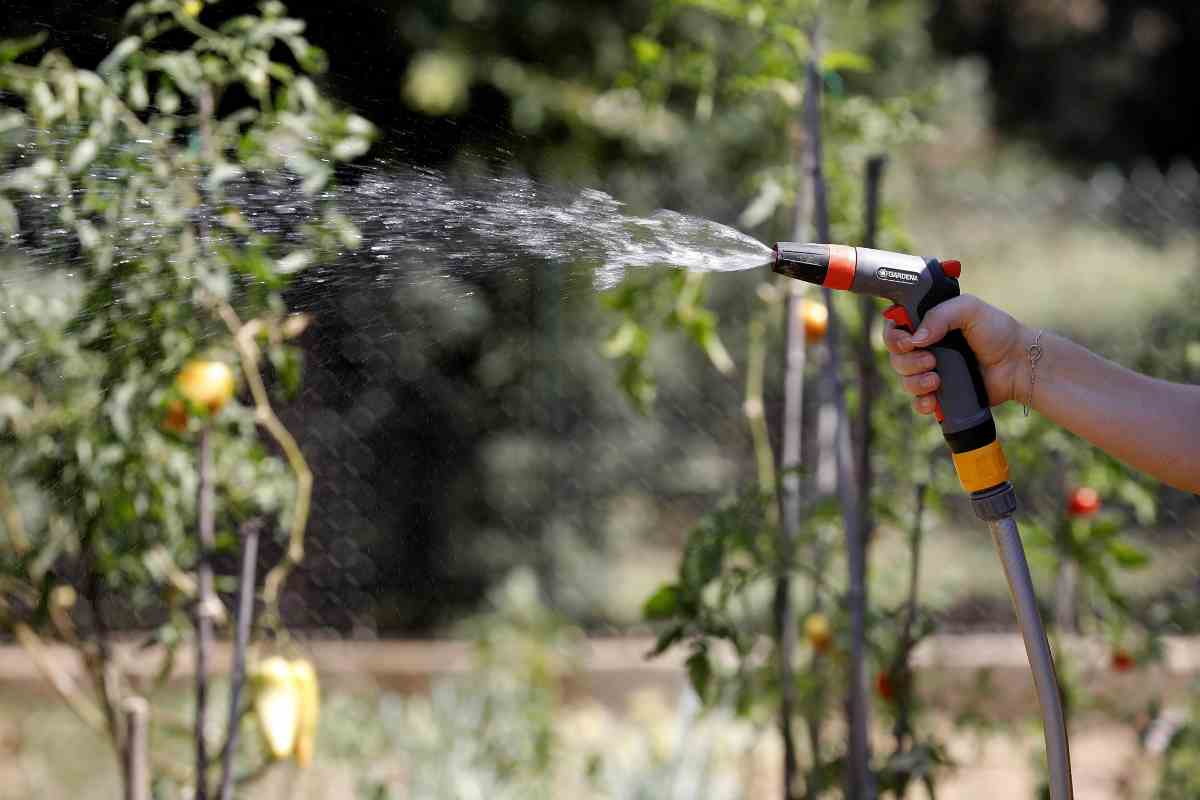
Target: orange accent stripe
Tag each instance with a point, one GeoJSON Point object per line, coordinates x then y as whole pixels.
{"type": "Point", "coordinates": [981, 468]}
{"type": "Point", "coordinates": [842, 260]}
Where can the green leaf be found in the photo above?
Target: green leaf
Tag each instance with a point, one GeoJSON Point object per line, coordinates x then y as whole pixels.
{"type": "Point", "coordinates": [351, 148]}
{"type": "Point", "coordinates": [702, 561]}
{"type": "Point", "coordinates": [311, 58]}
{"type": "Point", "coordinates": [119, 54]}
{"type": "Point", "coordinates": [9, 223]}
{"type": "Point", "coordinates": [646, 50]}
{"type": "Point", "coordinates": [663, 604]}
{"type": "Point", "coordinates": [1128, 555]}
{"type": "Point", "coordinates": [846, 61]}
{"type": "Point", "coordinates": [288, 368]}
{"type": "Point", "coordinates": [699, 671]}
{"type": "Point", "coordinates": [1145, 505]}
{"type": "Point", "coordinates": [294, 262]}
{"type": "Point", "coordinates": [622, 339]}
{"type": "Point", "coordinates": [83, 155]}
{"type": "Point", "coordinates": [12, 121]}
{"type": "Point", "coordinates": [138, 95]}
{"type": "Point", "coordinates": [12, 49]}
{"type": "Point", "coordinates": [666, 640]}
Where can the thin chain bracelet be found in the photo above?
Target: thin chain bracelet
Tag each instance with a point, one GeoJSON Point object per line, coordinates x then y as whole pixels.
{"type": "Point", "coordinates": [1035, 355]}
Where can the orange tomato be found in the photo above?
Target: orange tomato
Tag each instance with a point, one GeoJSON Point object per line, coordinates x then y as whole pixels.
{"type": "Point", "coordinates": [206, 384]}
{"type": "Point", "coordinates": [818, 631]}
{"type": "Point", "coordinates": [176, 419]}
{"type": "Point", "coordinates": [816, 320]}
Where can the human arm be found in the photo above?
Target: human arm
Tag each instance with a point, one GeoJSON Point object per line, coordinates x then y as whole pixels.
{"type": "Point", "coordinates": [1150, 424]}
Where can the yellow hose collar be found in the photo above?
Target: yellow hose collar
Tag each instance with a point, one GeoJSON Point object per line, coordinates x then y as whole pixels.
{"type": "Point", "coordinates": [981, 468]}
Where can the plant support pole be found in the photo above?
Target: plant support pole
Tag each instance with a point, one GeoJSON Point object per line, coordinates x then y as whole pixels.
{"type": "Point", "coordinates": [859, 783]}
{"type": "Point", "coordinates": [868, 374]}
{"type": "Point", "coordinates": [204, 605]}
{"type": "Point", "coordinates": [245, 614]}
{"type": "Point", "coordinates": [136, 768]}
{"type": "Point", "coordinates": [791, 482]}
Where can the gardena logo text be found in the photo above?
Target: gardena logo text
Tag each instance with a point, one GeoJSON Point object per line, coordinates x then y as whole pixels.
{"type": "Point", "coordinates": [895, 275]}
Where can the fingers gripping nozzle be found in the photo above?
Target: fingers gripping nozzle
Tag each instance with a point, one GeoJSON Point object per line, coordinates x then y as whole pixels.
{"type": "Point", "coordinates": [916, 285]}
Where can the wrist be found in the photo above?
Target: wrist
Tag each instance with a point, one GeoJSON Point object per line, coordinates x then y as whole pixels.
{"type": "Point", "coordinates": [1028, 372]}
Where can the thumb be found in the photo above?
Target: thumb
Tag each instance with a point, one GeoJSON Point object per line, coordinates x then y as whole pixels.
{"type": "Point", "coordinates": [945, 317]}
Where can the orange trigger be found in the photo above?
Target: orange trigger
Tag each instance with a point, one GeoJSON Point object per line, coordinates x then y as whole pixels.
{"type": "Point", "coordinates": [899, 315]}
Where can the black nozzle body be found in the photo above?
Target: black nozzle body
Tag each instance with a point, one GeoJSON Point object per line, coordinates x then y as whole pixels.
{"type": "Point", "coordinates": [806, 262]}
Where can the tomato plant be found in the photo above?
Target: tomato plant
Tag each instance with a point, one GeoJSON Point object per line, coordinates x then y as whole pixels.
{"type": "Point", "coordinates": [122, 189]}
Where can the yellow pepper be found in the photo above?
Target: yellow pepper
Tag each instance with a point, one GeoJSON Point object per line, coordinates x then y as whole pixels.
{"type": "Point", "coordinates": [305, 679]}
{"type": "Point", "coordinates": [276, 706]}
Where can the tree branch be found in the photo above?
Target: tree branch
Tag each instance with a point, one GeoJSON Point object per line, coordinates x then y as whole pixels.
{"type": "Point", "coordinates": [14, 523]}
{"type": "Point", "coordinates": [243, 334]}
{"type": "Point", "coordinates": [62, 683]}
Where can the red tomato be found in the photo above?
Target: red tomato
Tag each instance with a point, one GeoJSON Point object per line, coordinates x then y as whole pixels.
{"type": "Point", "coordinates": [1122, 661]}
{"type": "Point", "coordinates": [884, 687]}
{"type": "Point", "coordinates": [1083, 502]}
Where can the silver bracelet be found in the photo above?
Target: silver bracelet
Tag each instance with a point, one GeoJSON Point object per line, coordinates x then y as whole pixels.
{"type": "Point", "coordinates": [1035, 355]}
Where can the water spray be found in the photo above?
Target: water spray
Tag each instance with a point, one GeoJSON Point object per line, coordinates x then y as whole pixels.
{"type": "Point", "coordinates": [915, 285]}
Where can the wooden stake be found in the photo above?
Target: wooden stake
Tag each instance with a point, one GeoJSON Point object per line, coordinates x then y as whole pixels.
{"type": "Point", "coordinates": [136, 761]}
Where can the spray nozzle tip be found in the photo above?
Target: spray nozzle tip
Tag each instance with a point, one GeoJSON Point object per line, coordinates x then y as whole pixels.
{"type": "Point", "coordinates": [806, 262]}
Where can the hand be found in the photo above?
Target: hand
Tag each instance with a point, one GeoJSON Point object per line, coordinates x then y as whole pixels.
{"type": "Point", "coordinates": [998, 340]}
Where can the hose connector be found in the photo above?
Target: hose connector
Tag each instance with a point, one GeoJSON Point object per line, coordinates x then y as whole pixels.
{"type": "Point", "coordinates": [996, 503]}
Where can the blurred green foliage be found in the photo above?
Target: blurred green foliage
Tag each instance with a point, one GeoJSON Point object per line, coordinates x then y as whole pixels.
{"type": "Point", "coordinates": [133, 196]}
{"type": "Point", "coordinates": [503, 729]}
{"type": "Point", "coordinates": [121, 185]}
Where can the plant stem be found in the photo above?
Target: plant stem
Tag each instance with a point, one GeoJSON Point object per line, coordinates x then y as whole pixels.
{"type": "Point", "coordinates": [204, 603]}
{"type": "Point", "coordinates": [790, 505]}
{"type": "Point", "coordinates": [756, 360]}
{"type": "Point", "coordinates": [245, 614]}
{"type": "Point", "coordinates": [243, 336]}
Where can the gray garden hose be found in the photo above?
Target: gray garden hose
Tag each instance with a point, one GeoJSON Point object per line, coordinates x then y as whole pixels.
{"type": "Point", "coordinates": [1037, 647]}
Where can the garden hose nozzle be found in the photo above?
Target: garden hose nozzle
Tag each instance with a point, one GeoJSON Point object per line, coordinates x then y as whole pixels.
{"type": "Point", "coordinates": [915, 285]}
